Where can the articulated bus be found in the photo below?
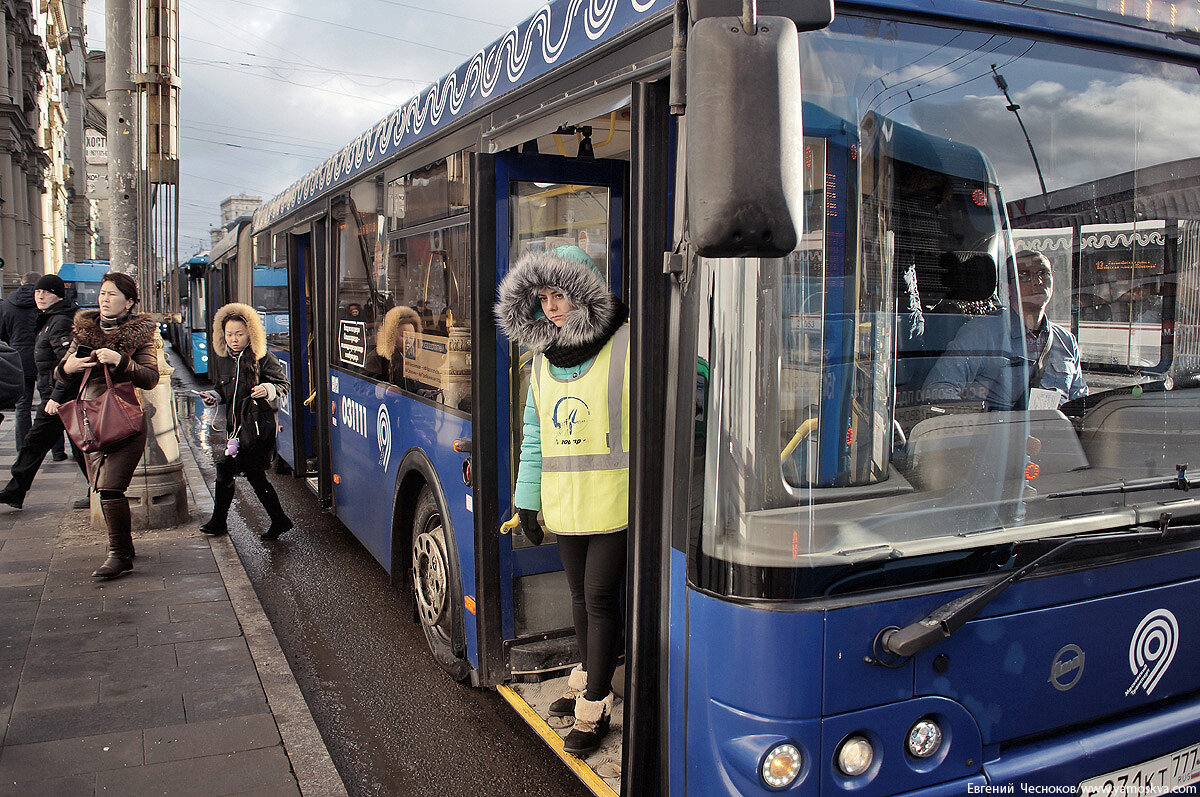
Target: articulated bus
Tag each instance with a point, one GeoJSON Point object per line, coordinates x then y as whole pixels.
{"type": "Point", "coordinates": [839, 582]}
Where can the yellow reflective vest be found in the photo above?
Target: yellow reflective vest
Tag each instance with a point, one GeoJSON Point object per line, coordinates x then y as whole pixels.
{"type": "Point", "coordinates": [585, 442]}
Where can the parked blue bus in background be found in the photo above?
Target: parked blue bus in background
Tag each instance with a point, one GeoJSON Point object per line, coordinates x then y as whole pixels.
{"type": "Point", "coordinates": [189, 335]}
{"type": "Point", "coordinates": [83, 280]}
{"type": "Point", "coordinates": [840, 581]}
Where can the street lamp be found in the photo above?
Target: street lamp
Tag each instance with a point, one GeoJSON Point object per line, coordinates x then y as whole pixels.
{"type": "Point", "coordinates": [1002, 84]}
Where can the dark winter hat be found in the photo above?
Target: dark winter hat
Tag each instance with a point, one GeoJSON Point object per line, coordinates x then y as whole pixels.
{"type": "Point", "coordinates": [52, 283]}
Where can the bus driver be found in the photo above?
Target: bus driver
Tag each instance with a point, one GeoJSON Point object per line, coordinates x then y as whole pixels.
{"type": "Point", "coordinates": [978, 363]}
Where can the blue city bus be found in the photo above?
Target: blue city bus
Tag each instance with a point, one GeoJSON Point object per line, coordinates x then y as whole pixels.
{"type": "Point", "coordinates": [83, 280]}
{"type": "Point", "coordinates": [189, 335]}
{"type": "Point", "coordinates": [840, 581]}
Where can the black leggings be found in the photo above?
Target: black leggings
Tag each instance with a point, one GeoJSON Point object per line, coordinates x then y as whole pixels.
{"type": "Point", "coordinates": [227, 469]}
{"type": "Point", "coordinates": [595, 566]}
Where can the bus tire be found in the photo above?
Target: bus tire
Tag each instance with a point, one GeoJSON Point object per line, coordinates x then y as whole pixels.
{"type": "Point", "coordinates": [435, 585]}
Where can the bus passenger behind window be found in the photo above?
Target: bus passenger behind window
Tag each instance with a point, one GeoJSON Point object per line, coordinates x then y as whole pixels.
{"type": "Point", "coordinates": [396, 342]}
{"type": "Point", "coordinates": [984, 361]}
{"type": "Point", "coordinates": [574, 459]}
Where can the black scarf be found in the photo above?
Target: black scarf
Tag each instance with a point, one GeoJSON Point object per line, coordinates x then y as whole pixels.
{"type": "Point", "coordinates": [569, 356]}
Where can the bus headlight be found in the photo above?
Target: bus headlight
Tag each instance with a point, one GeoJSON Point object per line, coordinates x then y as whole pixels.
{"type": "Point", "coordinates": [782, 765]}
{"type": "Point", "coordinates": [924, 738]}
{"type": "Point", "coordinates": [855, 756]}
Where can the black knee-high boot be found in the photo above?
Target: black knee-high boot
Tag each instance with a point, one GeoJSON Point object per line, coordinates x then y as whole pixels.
{"type": "Point", "coordinates": [270, 501]}
{"type": "Point", "coordinates": [222, 498]}
{"type": "Point", "coordinates": [120, 539]}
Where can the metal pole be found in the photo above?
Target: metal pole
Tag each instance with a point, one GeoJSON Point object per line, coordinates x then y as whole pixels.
{"type": "Point", "coordinates": [158, 496]}
{"type": "Point", "coordinates": [679, 34]}
{"type": "Point", "coordinates": [122, 136]}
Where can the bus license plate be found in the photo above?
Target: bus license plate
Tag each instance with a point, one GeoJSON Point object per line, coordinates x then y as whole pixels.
{"type": "Point", "coordinates": [1161, 775]}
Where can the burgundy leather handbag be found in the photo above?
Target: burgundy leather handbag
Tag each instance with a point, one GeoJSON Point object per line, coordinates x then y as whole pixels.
{"type": "Point", "coordinates": [98, 423]}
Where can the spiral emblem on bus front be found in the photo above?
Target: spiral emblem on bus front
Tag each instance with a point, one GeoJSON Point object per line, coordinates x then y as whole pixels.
{"type": "Point", "coordinates": [1152, 649]}
{"type": "Point", "coordinates": [383, 432]}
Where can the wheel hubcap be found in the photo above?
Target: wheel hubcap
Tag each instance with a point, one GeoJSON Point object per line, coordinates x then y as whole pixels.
{"type": "Point", "coordinates": [429, 563]}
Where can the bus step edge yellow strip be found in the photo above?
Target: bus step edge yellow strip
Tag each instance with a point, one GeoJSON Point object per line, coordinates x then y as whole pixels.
{"type": "Point", "coordinates": [551, 737]}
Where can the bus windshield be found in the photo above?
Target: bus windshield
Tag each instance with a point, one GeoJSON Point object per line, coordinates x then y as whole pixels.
{"type": "Point", "coordinates": [982, 338]}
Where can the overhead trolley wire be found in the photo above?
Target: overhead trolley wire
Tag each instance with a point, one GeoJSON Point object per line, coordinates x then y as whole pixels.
{"type": "Point", "coordinates": [367, 31]}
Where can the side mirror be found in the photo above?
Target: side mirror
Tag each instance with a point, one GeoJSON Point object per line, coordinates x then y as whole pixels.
{"type": "Point", "coordinates": [745, 139]}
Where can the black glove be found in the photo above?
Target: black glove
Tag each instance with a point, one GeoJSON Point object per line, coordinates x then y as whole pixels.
{"type": "Point", "coordinates": [530, 526]}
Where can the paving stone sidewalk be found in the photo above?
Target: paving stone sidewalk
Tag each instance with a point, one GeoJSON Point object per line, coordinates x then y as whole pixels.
{"type": "Point", "coordinates": [148, 684]}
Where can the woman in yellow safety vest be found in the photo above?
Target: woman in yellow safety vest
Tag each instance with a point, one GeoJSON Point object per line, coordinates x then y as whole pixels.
{"type": "Point", "coordinates": [575, 457]}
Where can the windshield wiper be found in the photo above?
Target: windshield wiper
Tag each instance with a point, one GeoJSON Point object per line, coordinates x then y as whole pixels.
{"type": "Point", "coordinates": [1180, 482]}
{"type": "Point", "coordinates": [892, 645]}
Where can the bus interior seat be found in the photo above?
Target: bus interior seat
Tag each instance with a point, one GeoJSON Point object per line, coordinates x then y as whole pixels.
{"type": "Point", "coordinates": [967, 282]}
{"type": "Point", "coordinates": [1142, 436]}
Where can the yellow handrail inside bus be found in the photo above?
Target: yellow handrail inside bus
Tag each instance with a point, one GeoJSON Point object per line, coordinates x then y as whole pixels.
{"type": "Point", "coordinates": [804, 431]}
{"type": "Point", "coordinates": [612, 130]}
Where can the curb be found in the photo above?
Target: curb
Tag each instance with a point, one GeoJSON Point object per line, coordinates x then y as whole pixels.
{"type": "Point", "coordinates": [311, 763]}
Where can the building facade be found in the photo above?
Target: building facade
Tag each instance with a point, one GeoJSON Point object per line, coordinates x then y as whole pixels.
{"type": "Point", "coordinates": [236, 206]}
{"type": "Point", "coordinates": [23, 161]}
{"type": "Point", "coordinates": [46, 218]}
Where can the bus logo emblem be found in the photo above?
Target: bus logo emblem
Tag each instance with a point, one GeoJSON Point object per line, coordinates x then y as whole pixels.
{"type": "Point", "coordinates": [1067, 662]}
{"type": "Point", "coordinates": [383, 429]}
{"type": "Point", "coordinates": [1152, 649]}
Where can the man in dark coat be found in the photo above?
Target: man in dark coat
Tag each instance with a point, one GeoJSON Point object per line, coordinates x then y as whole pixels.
{"type": "Point", "coordinates": [52, 341]}
{"type": "Point", "coordinates": [18, 326]}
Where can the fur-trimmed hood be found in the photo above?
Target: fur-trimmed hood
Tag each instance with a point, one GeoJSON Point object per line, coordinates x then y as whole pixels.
{"type": "Point", "coordinates": [519, 311]}
{"type": "Point", "coordinates": [389, 330]}
{"type": "Point", "coordinates": [137, 331]}
{"type": "Point", "coordinates": [254, 325]}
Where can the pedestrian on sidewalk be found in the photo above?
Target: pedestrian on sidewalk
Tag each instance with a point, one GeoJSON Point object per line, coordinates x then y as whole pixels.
{"type": "Point", "coordinates": [57, 314]}
{"type": "Point", "coordinates": [123, 342]}
{"type": "Point", "coordinates": [574, 463]}
{"type": "Point", "coordinates": [12, 378]}
{"type": "Point", "coordinates": [54, 335]}
{"type": "Point", "coordinates": [250, 382]}
{"type": "Point", "coordinates": [18, 327]}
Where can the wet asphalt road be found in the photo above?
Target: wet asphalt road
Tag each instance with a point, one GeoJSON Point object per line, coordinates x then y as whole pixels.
{"type": "Point", "coordinates": [394, 723]}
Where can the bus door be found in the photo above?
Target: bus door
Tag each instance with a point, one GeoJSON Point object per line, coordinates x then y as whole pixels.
{"type": "Point", "coordinates": [539, 202]}
{"type": "Point", "coordinates": [300, 423]}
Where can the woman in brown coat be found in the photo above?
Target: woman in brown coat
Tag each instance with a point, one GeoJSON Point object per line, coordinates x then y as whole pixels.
{"type": "Point", "coordinates": [123, 342]}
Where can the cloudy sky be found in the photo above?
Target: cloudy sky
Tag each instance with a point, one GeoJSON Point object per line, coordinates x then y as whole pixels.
{"type": "Point", "coordinates": [271, 88]}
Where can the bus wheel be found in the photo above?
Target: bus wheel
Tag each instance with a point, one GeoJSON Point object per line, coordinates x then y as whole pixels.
{"type": "Point", "coordinates": [435, 586]}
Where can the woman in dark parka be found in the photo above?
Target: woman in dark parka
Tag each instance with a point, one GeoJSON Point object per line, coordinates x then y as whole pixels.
{"type": "Point", "coordinates": [123, 342]}
{"type": "Point", "coordinates": [250, 382]}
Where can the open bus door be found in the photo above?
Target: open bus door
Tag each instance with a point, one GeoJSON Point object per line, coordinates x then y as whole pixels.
{"type": "Point", "coordinates": [303, 431]}
{"type": "Point", "coordinates": [526, 203]}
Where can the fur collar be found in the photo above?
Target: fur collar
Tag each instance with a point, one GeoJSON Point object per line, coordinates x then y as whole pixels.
{"type": "Point", "coordinates": [389, 330]}
{"type": "Point", "coordinates": [254, 325]}
{"type": "Point", "coordinates": [519, 312]}
{"type": "Point", "coordinates": [136, 332]}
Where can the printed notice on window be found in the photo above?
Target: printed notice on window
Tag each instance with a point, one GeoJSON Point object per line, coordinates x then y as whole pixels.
{"type": "Point", "coordinates": [352, 342]}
